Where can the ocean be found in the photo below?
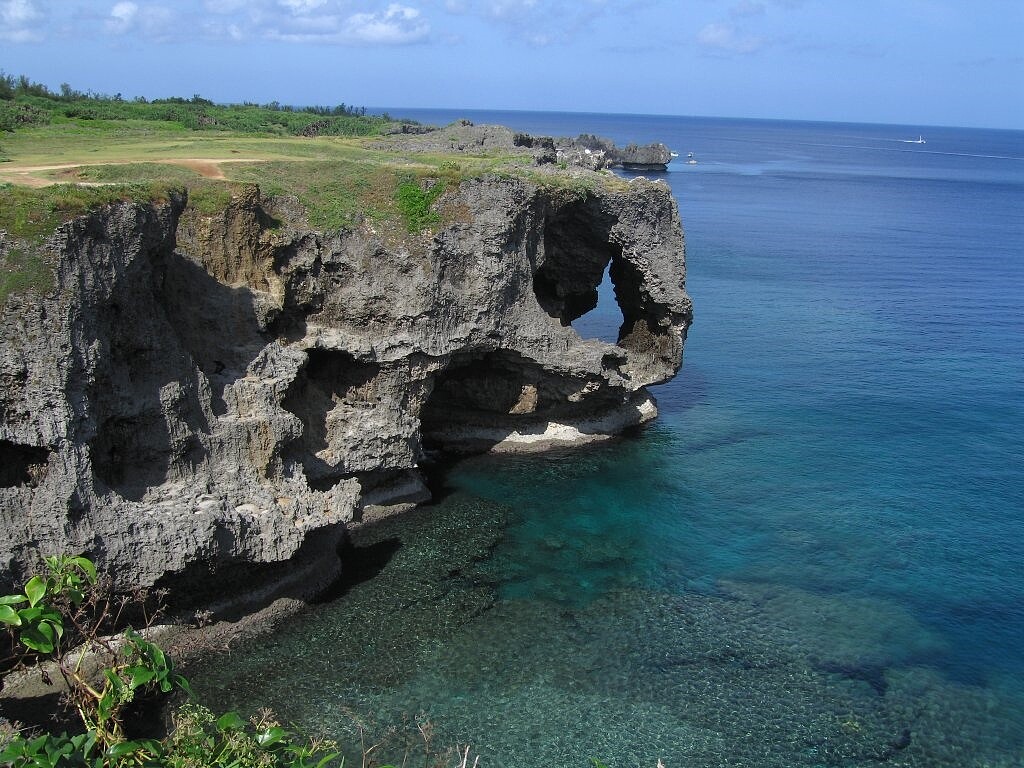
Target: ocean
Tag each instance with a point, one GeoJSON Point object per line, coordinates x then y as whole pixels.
{"type": "Point", "coordinates": [814, 557]}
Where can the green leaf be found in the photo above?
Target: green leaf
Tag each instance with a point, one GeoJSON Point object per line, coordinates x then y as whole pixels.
{"type": "Point", "coordinates": [15, 749]}
{"type": "Point", "coordinates": [230, 721]}
{"type": "Point", "coordinates": [87, 566]}
{"type": "Point", "coordinates": [30, 615]}
{"type": "Point", "coordinates": [140, 675]}
{"type": "Point", "coordinates": [183, 683]}
{"type": "Point", "coordinates": [332, 756]}
{"type": "Point", "coordinates": [9, 616]}
{"type": "Point", "coordinates": [39, 637]}
{"type": "Point", "coordinates": [34, 590]}
{"type": "Point", "coordinates": [54, 620]}
{"type": "Point", "coordinates": [159, 658]}
{"type": "Point", "coordinates": [12, 599]}
{"type": "Point", "coordinates": [121, 749]}
{"type": "Point", "coordinates": [270, 737]}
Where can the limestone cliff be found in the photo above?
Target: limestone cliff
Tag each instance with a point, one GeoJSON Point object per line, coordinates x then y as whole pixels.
{"type": "Point", "coordinates": [221, 394]}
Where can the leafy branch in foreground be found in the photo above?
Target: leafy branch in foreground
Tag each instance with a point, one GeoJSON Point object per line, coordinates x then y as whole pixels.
{"type": "Point", "coordinates": [61, 619]}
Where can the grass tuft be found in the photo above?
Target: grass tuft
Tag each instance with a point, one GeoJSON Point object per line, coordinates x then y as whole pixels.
{"type": "Point", "coordinates": [415, 201]}
{"type": "Point", "coordinates": [33, 214]}
{"type": "Point", "coordinates": [24, 271]}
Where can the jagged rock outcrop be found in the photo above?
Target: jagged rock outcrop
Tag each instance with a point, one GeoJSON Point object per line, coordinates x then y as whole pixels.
{"type": "Point", "coordinates": [585, 151]}
{"type": "Point", "coordinates": [596, 153]}
{"type": "Point", "coordinates": [204, 402]}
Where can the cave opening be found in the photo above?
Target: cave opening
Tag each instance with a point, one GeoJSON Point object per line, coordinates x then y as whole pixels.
{"type": "Point", "coordinates": [480, 399]}
{"type": "Point", "coordinates": [480, 394]}
{"type": "Point", "coordinates": [131, 452]}
{"type": "Point", "coordinates": [576, 282]}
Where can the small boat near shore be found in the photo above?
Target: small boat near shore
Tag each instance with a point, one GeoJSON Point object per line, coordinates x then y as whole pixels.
{"type": "Point", "coordinates": [919, 140]}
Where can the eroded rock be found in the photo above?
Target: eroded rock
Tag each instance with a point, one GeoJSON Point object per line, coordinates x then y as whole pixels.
{"type": "Point", "coordinates": [205, 402]}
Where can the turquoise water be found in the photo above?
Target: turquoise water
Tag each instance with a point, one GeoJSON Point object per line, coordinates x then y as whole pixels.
{"type": "Point", "coordinates": [813, 557]}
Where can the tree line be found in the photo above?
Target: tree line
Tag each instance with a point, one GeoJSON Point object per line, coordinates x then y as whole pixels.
{"type": "Point", "coordinates": [24, 102]}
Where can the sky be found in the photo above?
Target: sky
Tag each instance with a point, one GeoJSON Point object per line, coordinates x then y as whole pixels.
{"type": "Point", "coordinates": [908, 62]}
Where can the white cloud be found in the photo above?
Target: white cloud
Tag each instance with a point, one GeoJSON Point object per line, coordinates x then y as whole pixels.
{"type": "Point", "coordinates": [18, 12]}
{"type": "Point", "coordinates": [325, 22]}
{"type": "Point", "coordinates": [511, 9]}
{"type": "Point", "coordinates": [122, 17]}
{"type": "Point", "coordinates": [724, 38]}
{"type": "Point", "coordinates": [398, 24]}
{"type": "Point", "coordinates": [18, 19]}
{"type": "Point", "coordinates": [153, 22]}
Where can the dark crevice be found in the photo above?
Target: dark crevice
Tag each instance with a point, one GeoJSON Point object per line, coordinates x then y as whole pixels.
{"type": "Point", "coordinates": [131, 453]}
{"type": "Point", "coordinates": [22, 465]}
{"type": "Point", "coordinates": [206, 582]}
{"type": "Point", "coordinates": [577, 251]}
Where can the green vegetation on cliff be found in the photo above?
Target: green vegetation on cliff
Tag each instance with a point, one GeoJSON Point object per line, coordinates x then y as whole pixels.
{"type": "Point", "coordinates": [68, 153]}
{"type": "Point", "coordinates": [22, 272]}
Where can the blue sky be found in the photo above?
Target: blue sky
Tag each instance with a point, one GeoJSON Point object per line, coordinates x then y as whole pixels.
{"type": "Point", "coordinates": [915, 62]}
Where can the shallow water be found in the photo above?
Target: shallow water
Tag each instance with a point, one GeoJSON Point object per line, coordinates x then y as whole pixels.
{"type": "Point", "coordinates": [814, 555]}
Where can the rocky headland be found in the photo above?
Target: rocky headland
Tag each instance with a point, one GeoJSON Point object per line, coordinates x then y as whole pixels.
{"type": "Point", "coordinates": [206, 401]}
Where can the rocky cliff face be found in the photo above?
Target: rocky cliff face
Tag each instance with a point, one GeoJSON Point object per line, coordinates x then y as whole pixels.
{"type": "Point", "coordinates": [205, 402]}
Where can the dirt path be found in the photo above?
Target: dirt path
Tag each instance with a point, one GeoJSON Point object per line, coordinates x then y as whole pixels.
{"type": "Point", "coordinates": [26, 175]}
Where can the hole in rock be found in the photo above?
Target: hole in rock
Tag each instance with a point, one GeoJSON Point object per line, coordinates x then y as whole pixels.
{"type": "Point", "coordinates": [574, 280]}
{"type": "Point", "coordinates": [328, 395]}
{"type": "Point", "coordinates": [22, 465]}
{"type": "Point", "coordinates": [605, 320]}
{"type": "Point", "coordinates": [237, 587]}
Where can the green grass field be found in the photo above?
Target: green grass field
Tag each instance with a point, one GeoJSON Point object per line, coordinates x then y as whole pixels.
{"type": "Point", "coordinates": [64, 157]}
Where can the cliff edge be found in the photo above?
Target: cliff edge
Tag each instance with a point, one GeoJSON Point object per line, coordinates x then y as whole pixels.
{"type": "Point", "coordinates": [205, 401]}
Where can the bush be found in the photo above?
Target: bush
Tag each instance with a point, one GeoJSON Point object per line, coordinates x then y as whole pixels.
{"type": "Point", "coordinates": [14, 115]}
{"type": "Point", "coordinates": [60, 616]}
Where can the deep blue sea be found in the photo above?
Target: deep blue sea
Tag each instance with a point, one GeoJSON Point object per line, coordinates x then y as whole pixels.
{"type": "Point", "coordinates": [814, 557]}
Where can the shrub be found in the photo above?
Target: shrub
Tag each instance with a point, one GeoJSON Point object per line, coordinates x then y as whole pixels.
{"type": "Point", "coordinates": [14, 115]}
{"type": "Point", "coordinates": [60, 616]}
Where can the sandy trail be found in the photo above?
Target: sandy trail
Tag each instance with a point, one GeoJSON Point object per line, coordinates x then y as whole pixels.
{"type": "Point", "coordinates": [26, 175]}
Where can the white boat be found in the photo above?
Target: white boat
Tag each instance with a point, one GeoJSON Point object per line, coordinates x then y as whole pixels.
{"type": "Point", "coordinates": [918, 140]}
{"type": "Point", "coordinates": [690, 159]}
